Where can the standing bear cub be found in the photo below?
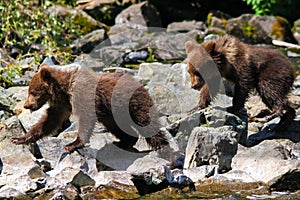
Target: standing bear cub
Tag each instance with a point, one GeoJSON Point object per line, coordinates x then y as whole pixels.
{"type": "Point", "coordinates": [248, 67]}
{"type": "Point", "coordinates": [121, 104]}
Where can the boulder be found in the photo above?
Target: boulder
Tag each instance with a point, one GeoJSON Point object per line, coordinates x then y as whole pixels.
{"type": "Point", "coordinates": [88, 42]}
{"type": "Point", "coordinates": [143, 14]}
{"type": "Point", "coordinates": [169, 87]}
{"type": "Point", "coordinates": [211, 146]}
{"type": "Point", "coordinates": [260, 29]}
{"type": "Point", "coordinates": [267, 161]}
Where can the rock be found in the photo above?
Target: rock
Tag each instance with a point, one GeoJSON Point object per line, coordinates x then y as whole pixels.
{"type": "Point", "coordinates": [18, 93]}
{"type": "Point", "coordinates": [151, 181]}
{"type": "Point", "coordinates": [216, 21]}
{"type": "Point", "coordinates": [90, 23]}
{"type": "Point", "coordinates": [82, 179]}
{"type": "Point", "coordinates": [143, 14]}
{"type": "Point", "coordinates": [86, 60]}
{"type": "Point", "coordinates": [201, 173]}
{"type": "Point", "coordinates": [69, 175]}
{"type": "Point", "coordinates": [186, 26]}
{"type": "Point", "coordinates": [260, 29]}
{"type": "Point", "coordinates": [287, 182]}
{"type": "Point", "coordinates": [109, 177]}
{"type": "Point", "coordinates": [170, 46]}
{"type": "Point", "coordinates": [211, 146]}
{"type": "Point", "coordinates": [36, 172]}
{"type": "Point", "coordinates": [5, 58]}
{"type": "Point", "coordinates": [182, 128]}
{"type": "Point", "coordinates": [88, 42]}
{"type": "Point", "coordinates": [147, 163]}
{"type": "Point", "coordinates": [178, 179]}
{"type": "Point", "coordinates": [6, 102]}
{"type": "Point", "coordinates": [169, 87]}
{"type": "Point", "coordinates": [59, 196]}
{"type": "Point", "coordinates": [28, 119]}
{"type": "Point", "coordinates": [296, 29]}
{"type": "Point", "coordinates": [258, 160]}
{"type": "Point", "coordinates": [124, 33]}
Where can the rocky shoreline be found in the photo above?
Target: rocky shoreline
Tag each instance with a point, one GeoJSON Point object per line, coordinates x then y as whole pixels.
{"type": "Point", "coordinates": [209, 150]}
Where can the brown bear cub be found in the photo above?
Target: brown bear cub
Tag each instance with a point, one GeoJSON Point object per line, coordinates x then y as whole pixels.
{"type": "Point", "coordinates": [249, 67]}
{"type": "Point", "coordinates": [117, 101]}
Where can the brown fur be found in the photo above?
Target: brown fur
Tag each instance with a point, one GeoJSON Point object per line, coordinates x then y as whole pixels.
{"type": "Point", "coordinates": [91, 97]}
{"type": "Point", "coordinates": [249, 67]}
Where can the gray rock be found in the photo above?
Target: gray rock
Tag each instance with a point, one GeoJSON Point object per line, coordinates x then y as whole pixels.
{"type": "Point", "coordinates": [211, 146]}
{"type": "Point", "coordinates": [201, 173]}
{"type": "Point", "coordinates": [296, 29]}
{"type": "Point", "coordinates": [110, 177]}
{"type": "Point", "coordinates": [153, 72]}
{"type": "Point", "coordinates": [142, 14]}
{"type": "Point", "coordinates": [170, 46]}
{"type": "Point", "coordinates": [147, 163]}
{"type": "Point", "coordinates": [28, 119]}
{"type": "Point", "coordinates": [6, 102]}
{"type": "Point", "coordinates": [169, 87]}
{"type": "Point", "coordinates": [88, 42]}
{"type": "Point", "coordinates": [18, 93]}
{"type": "Point", "coordinates": [260, 29]}
{"type": "Point", "coordinates": [72, 176]}
{"type": "Point", "coordinates": [182, 128]}
{"type": "Point", "coordinates": [186, 26]}
{"type": "Point", "coordinates": [123, 33]}
{"type": "Point", "coordinates": [265, 161]}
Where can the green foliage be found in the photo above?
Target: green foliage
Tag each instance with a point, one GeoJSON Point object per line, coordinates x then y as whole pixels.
{"type": "Point", "coordinates": [24, 23]}
{"type": "Point", "coordinates": [248, 30]}
{"type": "Point", "coordinates": [262, 7]}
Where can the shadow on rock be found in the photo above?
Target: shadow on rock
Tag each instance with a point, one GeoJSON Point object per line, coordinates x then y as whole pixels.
{"type": "Point", "coordinates": [292, 133]}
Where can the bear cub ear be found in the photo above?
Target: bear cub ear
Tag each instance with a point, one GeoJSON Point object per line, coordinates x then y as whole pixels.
{"type": "Point", "coordinates": [210, 47]}
{"type": "Point", "coordinates": [189, 46]}
{"type": "Point", "coordinates": [45, 72]}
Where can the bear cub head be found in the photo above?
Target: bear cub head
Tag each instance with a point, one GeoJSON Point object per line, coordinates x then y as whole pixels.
{"type": "Point", "coordinates": [39, 90]}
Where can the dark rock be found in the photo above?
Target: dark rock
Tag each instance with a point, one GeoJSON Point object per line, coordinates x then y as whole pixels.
{"type": "Point", "coordinates": [88, 42]}
{"type": "Point", "coordinates": [177, 179]}
{"type": "Point", "coordinates": [289, 181]}
{"type": "Point", "coordinates": [135, 57]}
{"type": "Point", "coordinates": [143, 14]}
{"type": "Point", "coordinates": [145, 185]}
{"type": "Point", "coordinates": [104, 11]}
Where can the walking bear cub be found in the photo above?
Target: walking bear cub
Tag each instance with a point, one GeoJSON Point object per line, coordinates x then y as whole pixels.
{"type": "Point", "coordinates": [248, 67]}
{"type": "Point", "coordinates": [121, 104]}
